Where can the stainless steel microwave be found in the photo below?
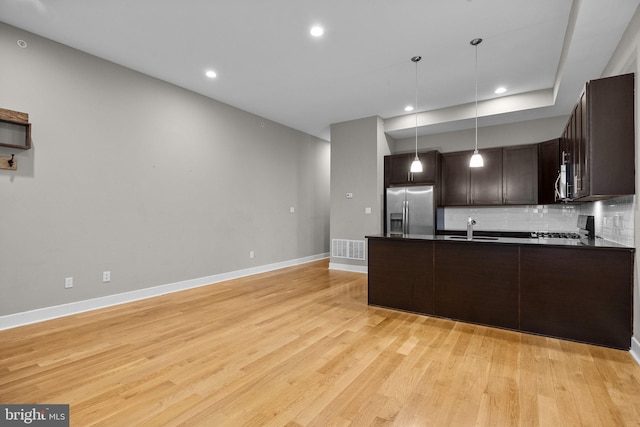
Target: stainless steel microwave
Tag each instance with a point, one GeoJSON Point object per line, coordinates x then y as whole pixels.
{"type": "Point", "coordinates": [563, 191]}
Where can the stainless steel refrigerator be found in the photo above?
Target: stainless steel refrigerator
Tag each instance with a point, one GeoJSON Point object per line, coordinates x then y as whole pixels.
{"type": "Point", "coordinates": [410, 210]}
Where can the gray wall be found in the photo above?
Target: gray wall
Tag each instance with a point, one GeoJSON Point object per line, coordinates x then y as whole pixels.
{"type": "Point", "coordinates": [528, 132]}
{"type": "Point", "coordinates": [357, 153]}
{"type": "Point", "coordinates": [149, 181]}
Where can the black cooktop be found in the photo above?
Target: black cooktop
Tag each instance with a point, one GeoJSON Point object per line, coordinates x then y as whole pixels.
{"type": "Point", "coordinates": [555, 235]}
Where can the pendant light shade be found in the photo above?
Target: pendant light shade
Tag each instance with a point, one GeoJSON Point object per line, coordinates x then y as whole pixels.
{"type": "Point", "coordinates": [476, 160]}
{"type": "Point", "coordinates": [416, 165]}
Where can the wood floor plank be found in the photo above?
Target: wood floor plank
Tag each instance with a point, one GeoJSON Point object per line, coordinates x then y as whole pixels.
{"type": "Point", "coordinates": [301, 347]}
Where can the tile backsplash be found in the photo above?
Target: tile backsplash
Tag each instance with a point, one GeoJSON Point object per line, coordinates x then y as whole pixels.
{"type": "Point", "coordinates": [516, 218]}
{"type": "Point", "coordinates": [614, 218]}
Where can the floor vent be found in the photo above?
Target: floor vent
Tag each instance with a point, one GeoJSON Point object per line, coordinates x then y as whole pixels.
{"type": "Point", "coordinates": [352, 249]}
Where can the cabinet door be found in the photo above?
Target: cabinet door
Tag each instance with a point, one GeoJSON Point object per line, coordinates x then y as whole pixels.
{"type": "Point", "coordinates": [455, 178]}
{"type": "Point", "coordinates": [401, 275]}
{"type": "Point", "coordinates": [581, 171]}
{"type": "Point", "coordinates": [578, 294]}
{"type": "Point", "coordinates": [399, 165]}
{"type": "Point", "coordinates": [610, 133]}
{"type": "Point", "coordinates": [574, 150]}
{"type": "Point", "coordinates": [520, 175]}
{"type": "Point", "coordinates": [477, 283]}
{"type": "Point", "coordinates": [568, 155]}
{"type": "Point", "coordinates": [430, 167]}
{"type": "Point", "coordinates": [548, 169]}
{"type": "Point", "coordinates": [485, 184]}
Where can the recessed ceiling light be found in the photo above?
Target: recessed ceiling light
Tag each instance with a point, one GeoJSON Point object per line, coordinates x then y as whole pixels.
{"type": "Point", "coordinates": [316, 31]}
{"type": "Point", "coordinates": [500, 90]}
{"type": "Point", "coordinates": [211, 74]}
{"type": "Point", "coordinates": [408, 108]}
{"type": "Point", "coordinates": [22, 44]}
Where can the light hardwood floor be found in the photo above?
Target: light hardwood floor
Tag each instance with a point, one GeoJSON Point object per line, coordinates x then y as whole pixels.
{"type": "Point", "coordinates": [300, 347]}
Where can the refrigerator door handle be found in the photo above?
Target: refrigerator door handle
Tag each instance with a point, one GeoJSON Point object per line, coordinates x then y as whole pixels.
{"type": "Point", "coordinates": [406, 218]}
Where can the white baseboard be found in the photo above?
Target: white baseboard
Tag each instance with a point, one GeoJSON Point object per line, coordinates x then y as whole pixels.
{"type": "Point", "coordinates": [348, 267]}
{"type": "Point", "coordinates": [635, 349]}
{"type": "Point", "coordinates": [48, 313]}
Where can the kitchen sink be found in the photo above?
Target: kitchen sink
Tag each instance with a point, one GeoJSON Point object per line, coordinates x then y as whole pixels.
{"type": "Point", "coordinates": [474, 238]}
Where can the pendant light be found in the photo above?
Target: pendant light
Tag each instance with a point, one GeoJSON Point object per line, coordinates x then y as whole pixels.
{"type": "Point", "coordinates": [416, 165]}
{"type": "Point", "coordinates": [476, 160]}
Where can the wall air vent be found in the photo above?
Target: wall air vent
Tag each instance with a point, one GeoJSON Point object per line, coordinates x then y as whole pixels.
{"type": "Point", "coordinates": [351, 249]}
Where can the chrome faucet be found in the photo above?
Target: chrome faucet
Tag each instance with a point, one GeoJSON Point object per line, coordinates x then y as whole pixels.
{"type": "Point", "coordinates": [470, 223]}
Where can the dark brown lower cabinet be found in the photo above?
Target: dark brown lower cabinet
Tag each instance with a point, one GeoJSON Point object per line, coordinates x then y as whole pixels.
{"type": "Point", "coordinates": [477, 283]}
{"type": "Point", "coordinates": [401, 274]}
{"type": "Point", "coordinates": [583, 295]}
{"type": "Point", "coordinates": [577, 293]}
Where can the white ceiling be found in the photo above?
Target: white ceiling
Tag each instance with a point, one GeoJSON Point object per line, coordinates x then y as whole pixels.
{"type": "Point", "coordinates": [269, 65]}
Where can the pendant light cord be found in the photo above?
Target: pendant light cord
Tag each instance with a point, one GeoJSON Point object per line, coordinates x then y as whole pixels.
{"type": "Point", "coordinates": [416, 165]}
{"type": "Point", "coordinates": [476, 46]}
{"type": "Point", "coordinates": [416, 59]}
{"type": "Point", "coordinates": [476, 160]}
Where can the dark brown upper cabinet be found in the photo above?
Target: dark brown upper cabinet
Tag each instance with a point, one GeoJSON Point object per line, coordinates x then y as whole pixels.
{"type": "Point", "coordinates": [548, 169]}
{"type": "Point", "coordinates": [455, 178]}
{"type": "Point", "coordinates": [520, 175]}
{"type": "Point", "coordinates": [599, 140]}
{"type": "Point", "coordinates": [574, 149]}
{"type": "Point", "coordinates": [485, 183]}
{"type": "Point", "coordinates": [397, 168]}
{"type": "Point", "coordinates": [462, 185]}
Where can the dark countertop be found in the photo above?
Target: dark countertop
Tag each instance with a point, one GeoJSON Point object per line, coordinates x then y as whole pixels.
{"type": "Point", "coordinates": [582, 243]}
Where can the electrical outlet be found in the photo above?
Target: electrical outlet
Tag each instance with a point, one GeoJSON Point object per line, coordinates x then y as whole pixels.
{"type": "Point", "coordinates": [68, 282]}
{"type": "Point", "coordinates": [252, 254]}
{"type": "Point", "coordinates": [106, 276]}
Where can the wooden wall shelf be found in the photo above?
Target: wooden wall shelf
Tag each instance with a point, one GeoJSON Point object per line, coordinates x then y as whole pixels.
{"type": "Point", "coordinates": [15, 129]}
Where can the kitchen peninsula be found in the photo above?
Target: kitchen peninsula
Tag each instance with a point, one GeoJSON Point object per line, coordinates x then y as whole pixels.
{"type": "Point", "coordinates": [578, 289]}
{"type": "Point", "coordinates": [572, 289]}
